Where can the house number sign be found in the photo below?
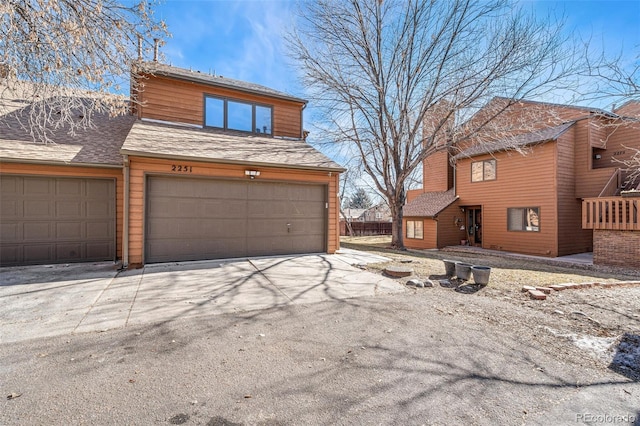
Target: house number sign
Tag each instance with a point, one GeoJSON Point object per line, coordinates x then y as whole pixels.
{"type": "Point", "coordinates": [181, 168]}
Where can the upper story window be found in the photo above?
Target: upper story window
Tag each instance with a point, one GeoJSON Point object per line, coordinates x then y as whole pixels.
{"type": "Point", "coordinates": [483, 170]}
{"type": "Point", "coordinates": [230, 114]}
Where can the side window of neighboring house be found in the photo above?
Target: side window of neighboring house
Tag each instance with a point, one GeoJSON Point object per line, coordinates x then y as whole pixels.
{"type": "Point", "coordinates": [523, 219]}
{"type": "Point", "coordinates": [238, 115]}
{"type": "Point", "coordinates": [415, 229]}
{"type": "Point", "coordinates": [483, 170]}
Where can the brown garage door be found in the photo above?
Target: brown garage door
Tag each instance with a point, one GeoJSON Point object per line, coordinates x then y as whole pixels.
{"type": "Point", "coordinates": [56, 220]}
{"type": "Point", "coordinates": [196, 219]}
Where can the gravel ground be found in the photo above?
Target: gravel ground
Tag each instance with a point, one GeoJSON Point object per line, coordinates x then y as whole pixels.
{"type": "Point", "coordinates": [604, 322]}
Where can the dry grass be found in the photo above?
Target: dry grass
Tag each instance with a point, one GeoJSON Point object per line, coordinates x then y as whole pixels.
{"type": "Point", "coordinates": [507, 273]}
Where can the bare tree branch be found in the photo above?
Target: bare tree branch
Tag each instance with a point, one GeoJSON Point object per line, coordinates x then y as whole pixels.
{"type": "Point", "coordinates": [396, 78]}
{"type": "Point", "coordinates": [70, 58]}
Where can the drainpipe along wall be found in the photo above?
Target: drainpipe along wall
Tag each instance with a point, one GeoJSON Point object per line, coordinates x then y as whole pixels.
{"type": "Point", "coordinates": [125, 215]}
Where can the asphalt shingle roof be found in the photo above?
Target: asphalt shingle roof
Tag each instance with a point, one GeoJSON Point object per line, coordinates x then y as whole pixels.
{"type": "Point", "coordinates": [429, 204]}
{"type": "Point", "coordinates": [519, 141]}
{"type": "Point", "coordinates": [99, 144]}
{"type": "Point", "coordinates": [152, 139]}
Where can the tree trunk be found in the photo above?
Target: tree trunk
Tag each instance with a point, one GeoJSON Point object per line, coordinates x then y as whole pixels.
{"type": "Point", "coordinates": [397, 240]}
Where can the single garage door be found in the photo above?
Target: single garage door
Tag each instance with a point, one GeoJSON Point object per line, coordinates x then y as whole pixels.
{"type": "Point", "coordinates": [56, 220]}
{"type": "Point", "coordinates": [196, 219]}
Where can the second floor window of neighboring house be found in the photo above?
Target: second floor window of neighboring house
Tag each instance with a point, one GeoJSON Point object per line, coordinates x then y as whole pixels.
{"type": "Point", "coordinates": [483, 170]}
{"type": "Point", "coordinates": [230, 114]}
{"type": "Point", "coordinates": [415, 229]}
{"type": "Point", "coordinates": [523, 219]}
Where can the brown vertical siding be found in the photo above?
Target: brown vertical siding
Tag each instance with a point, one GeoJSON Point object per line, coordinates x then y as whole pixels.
{"type": "Point", "coordinates": [81, 172]}
{"type": "Point", "coordinates": [571, 237]}
{"type": "Point", "coordinates": [522, 181]}
{"type": "Point", "coordinates": [589, 181]}
{"type": "Point", "coordinates": [430, 239]}
{"type": "Point", "coordinates": [140, 166]}
{"type": "Point", "coordinates": [180, 101]}
{"type": "Point", "coordinates": [413, 193]}
{"type": "Point", "coordinates": [436, 172]}
{"type": "Point", "coordinates": [449, 233]}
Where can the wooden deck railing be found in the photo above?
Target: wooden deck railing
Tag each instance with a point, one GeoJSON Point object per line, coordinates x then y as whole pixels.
{"type": "Point", "coordinates": [611, 213]}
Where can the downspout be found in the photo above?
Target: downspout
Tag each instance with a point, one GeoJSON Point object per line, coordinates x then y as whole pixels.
{"type": "Point", "coordinates": [125, 215]}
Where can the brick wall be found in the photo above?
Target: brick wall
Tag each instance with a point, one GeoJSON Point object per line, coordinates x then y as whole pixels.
{"type": "Point", "coordinates": [616, 248]}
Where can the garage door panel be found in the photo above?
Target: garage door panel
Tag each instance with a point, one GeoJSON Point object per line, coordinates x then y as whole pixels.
{"type": "Point", "coordinates": [69, 187]}
{"type": "Point", "coordinates": [37, 231]}
{"type": "Point", "coordinates": [10, 254]}
{"type": "Point", "coordinates": [69, 209]}
{"type": "Point", "coordinates": [9, 209]}
{"type": "Point", "coordinates": [37, 186]}
{"type": "Point", "coordinates": [52, 219]}
{"type": "Point", "coordinates": [99, 250]}
{"type": "Point", "coordinates": [69, 230]}
{"type": "Point", "coordinates": [98, 230]}
{"type": "Point", "coordinates": [69, 251]}
{"type": "Point", "coordinates": [38, 208]}
{"type": "Point", "coordinates": [99, 189]}
{"type": "Point", "coordinates": [96, 209]}
{"type": "Point", "coordinates": [10, 231]}
{"type": "Point", "coordinates": [37, 253]}
{"type": "Point", "coordinates": [231, 218]}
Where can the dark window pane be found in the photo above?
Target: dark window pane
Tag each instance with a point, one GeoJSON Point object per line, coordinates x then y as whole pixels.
{"type": "Point", "coordinates": [239, 116]}
{"type": "Point", "coordinates": [214, 112]}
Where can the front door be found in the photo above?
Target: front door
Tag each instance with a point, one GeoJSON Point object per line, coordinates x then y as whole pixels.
{"type": "Point", "coordinates": [474, 226]}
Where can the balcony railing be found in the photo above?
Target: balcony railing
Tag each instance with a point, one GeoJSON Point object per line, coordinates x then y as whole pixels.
{"type": "Point", "coordinates": [616, 213]}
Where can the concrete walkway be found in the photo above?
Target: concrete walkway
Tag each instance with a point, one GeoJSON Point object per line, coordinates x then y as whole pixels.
{"type": "Point", "coordinates": [51, 300]}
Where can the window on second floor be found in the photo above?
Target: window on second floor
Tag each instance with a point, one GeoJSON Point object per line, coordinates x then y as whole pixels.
{"type": "Point", "coordinates": [483, 170]}
{"type": "Point", "coordinates": [231, 114]}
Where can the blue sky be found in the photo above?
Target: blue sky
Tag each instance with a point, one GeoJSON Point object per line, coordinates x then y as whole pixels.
{"type": "Point", "coordinates": [243, 39]}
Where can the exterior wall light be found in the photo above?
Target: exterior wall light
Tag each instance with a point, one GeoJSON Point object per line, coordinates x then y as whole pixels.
{"type": "Point", "coordinates": [252, 173]}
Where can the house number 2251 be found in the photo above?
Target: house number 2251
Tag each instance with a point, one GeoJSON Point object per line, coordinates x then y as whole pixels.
{"type": "Point", "coordinates": [181, 168]}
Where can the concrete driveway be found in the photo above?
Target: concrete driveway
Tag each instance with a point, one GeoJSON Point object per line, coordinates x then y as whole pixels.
{"type": "Point", "coordinates": [51, 300]}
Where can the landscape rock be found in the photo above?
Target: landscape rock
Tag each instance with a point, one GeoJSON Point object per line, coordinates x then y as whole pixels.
{"type": "Point", "coordinates": [537, 295]}
{"type": "Point", "coordinates": [398, 271]}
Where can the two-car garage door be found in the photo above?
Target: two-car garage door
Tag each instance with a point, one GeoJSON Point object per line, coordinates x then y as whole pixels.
{"type": "Point", "coordinates": [47, 219]}
{"type": "Point", "coordinates": [195, 219]}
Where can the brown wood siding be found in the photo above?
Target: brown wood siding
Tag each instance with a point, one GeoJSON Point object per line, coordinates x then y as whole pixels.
{"type": "Point", "coordinates": [449, 233]}
{"type": "Point", "coordinates": [140, 166]}
{"type": "Point", "coordinates": [522, 181]}
{"type": "Point", "coordinates": [589, 182]}
{"type": "Point", "coordinates": [436, 172]}
{"type": "Point", "coordinates": [430, 228]}
{"type": "Point", "coordinates": [75, 171]}
{"type": "Point", "coordinates": [412, 194]}
{"type": "Point", "coordinates": [180, 101]}
{"type": "Point", "coordinates": [571, 237]}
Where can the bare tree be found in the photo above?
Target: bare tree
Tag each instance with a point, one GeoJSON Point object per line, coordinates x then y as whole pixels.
{"type": "Point", "coordinates": [395, 78]}
{"type": "Point", "coordinates": [68, 59]}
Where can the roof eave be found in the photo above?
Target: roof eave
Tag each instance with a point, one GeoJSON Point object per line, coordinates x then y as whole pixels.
{"type": "Point", "coordinates": [229, 161]}
{"type": "Point", "coordinates": [60, 163]}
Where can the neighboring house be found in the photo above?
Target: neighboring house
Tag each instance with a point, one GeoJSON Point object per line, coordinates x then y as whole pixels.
{"type": "Point", "coordinates": [207, 167]}
{"type": "Point", "coordinates": [377, 213]}
{"type": "Point", "coordinates": [523, 192]}
{"type": "Point", "coordinates": [375, 220]}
